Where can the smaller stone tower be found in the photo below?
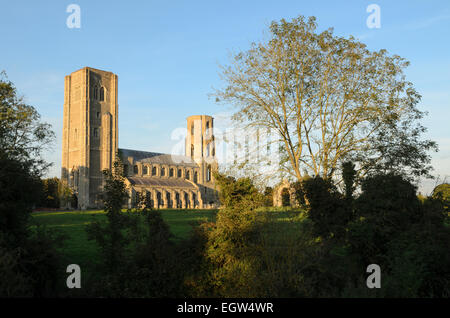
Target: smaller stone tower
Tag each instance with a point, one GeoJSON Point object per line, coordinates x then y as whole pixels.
{"type": "Point", "coordinates": [200, 146]}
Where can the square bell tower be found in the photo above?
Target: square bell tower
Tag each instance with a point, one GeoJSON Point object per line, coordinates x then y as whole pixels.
{"type": "Point", "coordinates": [90, 132]}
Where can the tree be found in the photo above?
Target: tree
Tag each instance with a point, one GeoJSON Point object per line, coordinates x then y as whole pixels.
{"type": "Point", "coordinates": [327, 210]}
{"type": "Point", "coordinates": [139, 259]}
{"type": "Point", "coordinates": [268, 196]}
{"type": "Point", "coordinates": [23, 135]}
{"type": "Point", "coordinates": [20, 191]}
{"type": "Point", "coordinates": [22, 138]}
{"type": "Point", "coordinates": [240, 194]}
{"type": "Point", "coordinates": [110, 237]}
{"type": "Point", "coordinates": [330, 100]}
{"type": "Point", "coordinates": [50, 189]}
{"type": "Point", "coordinates": [230, 246]}
{"type": "Point", "coordinates": [387, 205]}
{"type": "Point", "coordinates": [29, 260]}
{"type": "Point", "coordinates": [442, 192]}
{"type": "Point", "coordinates": [348, 176]}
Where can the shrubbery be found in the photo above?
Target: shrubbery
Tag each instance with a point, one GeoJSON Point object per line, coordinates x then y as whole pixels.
{"type": "Point", "coordinates": [138, 257]}
{"type": "Point", "coordinates": [245, 252]}
{"type": "Point", "coordinates": [29, 261]}
{"type": "Point", "coordinates": [386, 225]}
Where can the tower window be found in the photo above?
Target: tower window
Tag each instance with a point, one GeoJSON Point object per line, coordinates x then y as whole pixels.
{"type": "Point", "coordinates": [188, 174]}
{"type": "Point", "coordinates": [102, 94]}
{"type": "Point", "coordinates": [195, 177]}
{"type": "Point", "coordinates": [192, 129]}
{"type": "Point", "coordinates": [154, 171]}
{"type": "Point", "coordinates": [171, 172]}
{"type": "Point", "coordinates": [95, 92]}
{"type": "Point", "coordinates": [192, 150]}
{"type": "Point", "coordinates": [179, 173]}
{"type": "Point", "coordinates": [208, 173]}
{"type": "Point", "coordinates": [95, 132]}
{"type": "Point", "coordinates": [145, 170]}
{"type": "Point", "coordinates": [163, 172]}
{"type": "Point", "coordinates": [98, 115]}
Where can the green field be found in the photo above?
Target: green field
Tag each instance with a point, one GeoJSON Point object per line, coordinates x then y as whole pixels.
{"type": "Point", "coordinates": [79, 250]}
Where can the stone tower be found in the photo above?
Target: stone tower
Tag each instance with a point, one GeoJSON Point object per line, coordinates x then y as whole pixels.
{"type": "Point", "coordinates": [200, 146]}
{"type": "Point", "coordinates": [89, 132]}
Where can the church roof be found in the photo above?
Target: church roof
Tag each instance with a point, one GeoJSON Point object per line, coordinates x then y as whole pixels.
{"type": "Point", "coordinates": [161, 182]}
{"type": "Point", "coordinates": [159, 158]}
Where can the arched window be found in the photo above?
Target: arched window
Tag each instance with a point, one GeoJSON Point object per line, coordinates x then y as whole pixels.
{"type": "Point", "coordinates": [188, 175]}
{"type": "Point", "coordinates": [158, 199]}
{"type": "Point", "coordinates": [171, 172]}
{"type": "Point", "coordinates": [179, 173]}
{"type": "Point", "coordinates": [102, 94]}
{"type": "Point", "coordinates": [285, 197]}
{"type": "Point", "coordinates": [192, 150]}
{"type": "Point", "coordinates": [208, 173]}
{"type": "Point", "coordinates": [163, 172]}
{"type": "Point", "coordinates": [195, 176]}
{"type": "Point", "coordinates": [135, 169]}
{"type": "Point", "coordinates": [154, 171]}
{"type": "Point", "coordinates": [145, 170]}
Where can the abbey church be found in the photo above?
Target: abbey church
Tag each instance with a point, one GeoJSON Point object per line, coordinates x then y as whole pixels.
{"type": "Point", "coordinates": [90, 145]}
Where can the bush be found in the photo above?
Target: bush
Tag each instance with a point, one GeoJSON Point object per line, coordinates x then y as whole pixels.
{"type": "Point", "coordinates": [240, 194]}
{"type": "Point", "coordinates": [20, 190]}
{"type": "Point", "coordinates": [29, 260]}
{"type": "Point", "coordinates": [387, 205]}
{"type": "Point", "coordinates": [31, 269]}
{"type": "Point", "coordinates": [268, 196]}
{"type": "Point", "coordinates": [327, 209]}
{"type": "Point", "coordinates": [442, 192]}
{"type": "Point", "coordinates": [138, 257]}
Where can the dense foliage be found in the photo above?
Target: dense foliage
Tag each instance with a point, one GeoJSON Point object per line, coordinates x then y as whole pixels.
{"type": "Point", "coordinates": [29, 261]}
{"type": "Point", "coordinates": [138, 257]}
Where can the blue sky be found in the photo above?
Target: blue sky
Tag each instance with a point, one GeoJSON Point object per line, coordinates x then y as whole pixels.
{"type": "Point", "coordinates": [167, 53]}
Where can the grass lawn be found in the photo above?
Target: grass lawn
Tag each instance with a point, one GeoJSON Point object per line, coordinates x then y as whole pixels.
{"type": "Point", "coordinates": [79, 250]}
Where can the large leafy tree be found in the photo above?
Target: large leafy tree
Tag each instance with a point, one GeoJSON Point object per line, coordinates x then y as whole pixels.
{"type": "Point", "coordinates": [23, 136]}
{"type": "Point", "coordinates": [330, 99]}
{"type": "Point", "coordinates": [29, 261]}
